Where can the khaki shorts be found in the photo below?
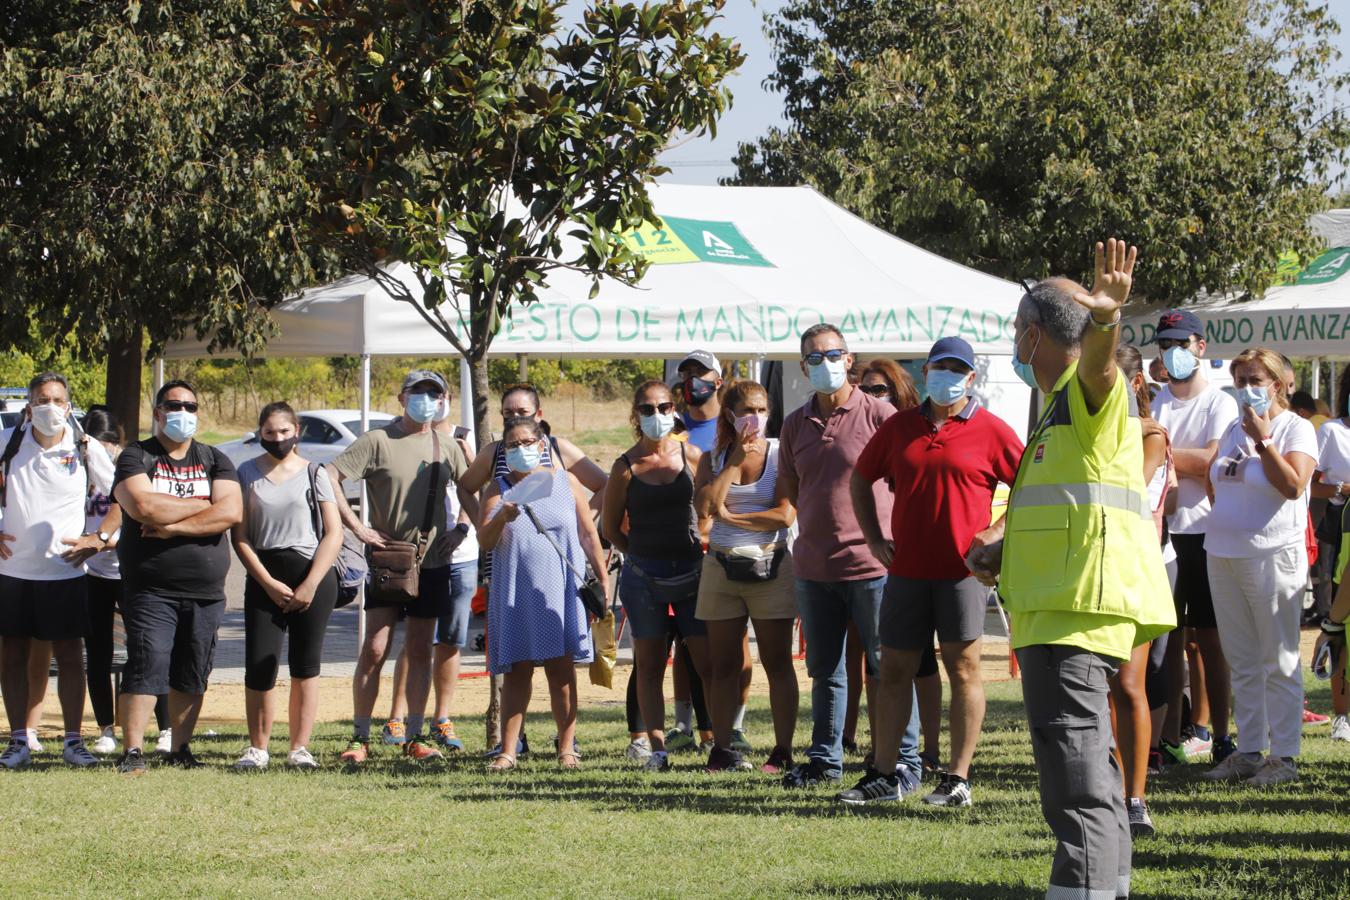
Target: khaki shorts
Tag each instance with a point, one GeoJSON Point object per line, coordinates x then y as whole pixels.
{"type": "Point", "coordinates": [720, 598]}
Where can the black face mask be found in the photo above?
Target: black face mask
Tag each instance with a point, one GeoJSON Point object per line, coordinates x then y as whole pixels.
{"type": "Point", "coordinates": [698, 392]}
{"type": "Point", "coordinates": [279, 449]}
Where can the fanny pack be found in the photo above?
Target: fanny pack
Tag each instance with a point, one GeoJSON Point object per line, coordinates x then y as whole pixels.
{"type": "Point", "coordinates": [752, 568]}
{"type": "Point", "coordinates": [395, 569]}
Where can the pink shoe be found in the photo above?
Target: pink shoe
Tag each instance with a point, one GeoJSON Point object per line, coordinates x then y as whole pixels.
{"type": "Point", "coordinates": [1312, 718]}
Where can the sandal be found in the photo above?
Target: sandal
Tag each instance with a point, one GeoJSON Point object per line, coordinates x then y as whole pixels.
{"type": "Point", "coordinates": [569, 760]}
{"type": "Point", "coordinates": [501, 763]}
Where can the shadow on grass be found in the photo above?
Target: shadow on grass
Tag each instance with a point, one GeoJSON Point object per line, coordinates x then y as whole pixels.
{"type": "Point", "coordinates": [926, 888]}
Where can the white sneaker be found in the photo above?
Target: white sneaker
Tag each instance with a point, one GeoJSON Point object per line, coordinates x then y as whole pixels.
{"type": "Point", "coordinates": [34, 745]}
{"type": "Point", "coordinates": [77, 754]}
{"type": "Point", "coordinates": [640, 750]}
{"type": "Point", "coordinates": [164, 744]}
{"type": "Point", "coordinates": [1237, 767]}
{"type": "Point", "coordinates": [301, 759]}
{"type": "Point", "coordinates": [253, 760]}
{"type": "Point", "coordinates": [106, 743]}
{"type": "Point", "coordinates": [16, 755]}
{"type": "Point", "coordinates": [1277, 770]}
{"type": "Point", "coordinates": [1340, 729]}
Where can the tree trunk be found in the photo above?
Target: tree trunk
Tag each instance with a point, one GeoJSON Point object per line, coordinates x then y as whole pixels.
{"type": "Point", "coordinates": [479, 371]}
{"type": "Point", "coordinates": [123, 394]}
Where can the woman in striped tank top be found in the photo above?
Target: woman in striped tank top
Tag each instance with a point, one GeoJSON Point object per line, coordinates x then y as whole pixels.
{"type": "Point", "coordinates": [747, 573]}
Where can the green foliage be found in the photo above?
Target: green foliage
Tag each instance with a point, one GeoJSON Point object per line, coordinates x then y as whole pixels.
{"type": "Point", "coordinates": [152, 171]}
{"type": "Point", "coordinates": [1007, 135]}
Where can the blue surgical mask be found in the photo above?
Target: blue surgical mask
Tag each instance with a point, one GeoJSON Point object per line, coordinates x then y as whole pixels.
{"type": "Point", "coordinates": [657, 426]}
{"type": "Point", "coordinates": [1255, 396]}
{"type": "Point", "coordinates": [1179, 362]}
{"type": "Point", "coordinates": [524, 459]}
{"type": "Point", "coordinates": [422, 408]}
{"type": "Point", "coordinates": [1024, 370]}
{"type": "Point", "coordinates": [180, 426]}
{"type": "Point", "coordinates": [827, 377]}
{"type": "Point", "coordinates": [945, 388]}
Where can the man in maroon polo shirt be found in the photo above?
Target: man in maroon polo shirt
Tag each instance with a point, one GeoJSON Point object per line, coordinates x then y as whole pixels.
{"type": "Point", "coordinates": [944, 458]}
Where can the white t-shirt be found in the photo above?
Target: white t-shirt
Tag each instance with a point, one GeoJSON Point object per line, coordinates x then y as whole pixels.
{"type": "Point", "coordinates": [1333, 453]}
{"type": "Point", "coordinates": [1250, 516]}
{"type": "Point", "coordinates": [1155, 496]}
{"type": "Point", "coordinates": [104, 563]}
{"type": "Point", "coordinates": [44, 502]}
{"type": "Point", "coordinates": [1191, 425]}
{"type": "Point", "coordinates": [467, 551]}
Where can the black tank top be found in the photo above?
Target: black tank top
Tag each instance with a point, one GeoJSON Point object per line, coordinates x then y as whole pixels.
{"type": "Point", "coordinates": [662, 523]}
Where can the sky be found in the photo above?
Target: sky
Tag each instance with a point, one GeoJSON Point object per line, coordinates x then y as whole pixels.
{"type": "Point", "coordinates": [702, 160]}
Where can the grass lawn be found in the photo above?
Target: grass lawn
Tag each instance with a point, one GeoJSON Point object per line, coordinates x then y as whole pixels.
{"type": "Point", "coordinates": [609, 830]}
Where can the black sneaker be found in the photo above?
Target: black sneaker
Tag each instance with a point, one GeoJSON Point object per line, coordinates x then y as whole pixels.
{"type": "Point", "coordinates": [1223, 748]}
{"type": "Point", "coordinates": [874, 787]}
{"type": "Point", "coordinates": [722, 760]}
{"type": "Point", "coordinates": [809, 774]}
{"type": "Point", "coordinates": [952, 790]}
{"type": "Point", "coordinates": [184, 759]}
{"type": "Point", "coordinates": [132, 762]}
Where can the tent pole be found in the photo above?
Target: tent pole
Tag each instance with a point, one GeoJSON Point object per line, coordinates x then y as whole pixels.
{"type": "Point", "coordinates": [1317, 377]}
{"type": "Point", "coordinates": [158, 379]}
{"type": "Point", "coordinates": [466, 400]}
{"type": "Point", "coordinates": [365, 512]}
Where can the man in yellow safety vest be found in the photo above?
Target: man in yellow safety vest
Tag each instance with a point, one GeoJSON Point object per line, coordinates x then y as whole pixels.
{"type": "Point", "coordinates": [1079, 567]}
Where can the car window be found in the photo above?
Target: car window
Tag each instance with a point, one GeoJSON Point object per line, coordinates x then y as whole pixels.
{"type": "Point", "coordinates": [317, 431]}
{"type": "Point", "coordinates": [10, 419]}
{"type": "Point", "coordinates": [354, 426]}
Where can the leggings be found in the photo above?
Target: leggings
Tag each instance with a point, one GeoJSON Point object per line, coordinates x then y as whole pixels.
{"type": "Point", "coordinates": [265, 625]}
{"type": "Point", "coordinates": [104, 594]}
{"type": "Point", "coordinates": [701, 717]}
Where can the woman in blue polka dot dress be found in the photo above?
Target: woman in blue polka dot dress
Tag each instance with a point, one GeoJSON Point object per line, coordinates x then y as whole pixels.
{"type": "Point", "coordinates": [535, 616]}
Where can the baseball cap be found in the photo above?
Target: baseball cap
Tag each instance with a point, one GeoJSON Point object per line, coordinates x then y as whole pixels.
{"type": "Point", "coordinates": [704, 359]}
{"type": "Point", "coordinates": [417, 376]}
{"type": "Point", "coordinates": [952, 348]}
{"type": "Point", "coordinates": [1177, 325]}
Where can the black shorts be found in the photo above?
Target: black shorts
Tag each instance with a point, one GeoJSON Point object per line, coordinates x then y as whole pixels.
{"type": "Point", "coordinates": [1195, 605]}
{"type": "Point", "coordinates": [913, 608]}
{"type": "Point", "coordinates": [171, 642]}
{"type": "Point", "coordinates": [44, 610]}
{"type": "Point", "coordinates": [434, 599]}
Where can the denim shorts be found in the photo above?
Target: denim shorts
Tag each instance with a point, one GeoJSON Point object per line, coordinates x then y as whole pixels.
{"type": "Point", "coordinates": [452, 629]}
{"type": "Point", "coordinates": [648, 586]}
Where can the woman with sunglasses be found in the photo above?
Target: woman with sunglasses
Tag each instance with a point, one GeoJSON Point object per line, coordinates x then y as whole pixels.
{"type": "Point", "coordinates": [747, 574]}
{"type": "Point", "coordinates": [535, 616]}
{"type": "Point", "coordinates": [653, 485]}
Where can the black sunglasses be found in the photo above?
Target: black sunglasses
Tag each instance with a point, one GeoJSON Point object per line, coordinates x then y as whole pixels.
{"type": "Point", "coordinates": [876, 390]}
{"type": "Point", "coordinates": [651, 409]}
{"type": "Point", "coordinates": [178, 406]}
{"type": "Point", "coordinates": [816, 358]}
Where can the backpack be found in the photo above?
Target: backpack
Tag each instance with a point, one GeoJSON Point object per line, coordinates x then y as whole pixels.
{"type": "Point", "coordinates": [350, 564]}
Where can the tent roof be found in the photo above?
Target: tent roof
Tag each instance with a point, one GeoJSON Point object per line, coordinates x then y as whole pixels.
{"type": "Point", "coordinates": [740, 271]}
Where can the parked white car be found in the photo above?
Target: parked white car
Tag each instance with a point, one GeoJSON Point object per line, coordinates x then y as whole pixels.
{"type": "Point", "coordinates": [324, 433]}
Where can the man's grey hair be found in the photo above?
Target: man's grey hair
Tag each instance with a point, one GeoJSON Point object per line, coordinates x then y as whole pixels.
{"type": "Point", "coordinates": [1050, 305]}
{"type": "Point", "coordinates": [47, 378]}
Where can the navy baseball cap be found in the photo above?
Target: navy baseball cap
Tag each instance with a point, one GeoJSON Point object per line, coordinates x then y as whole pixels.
{"type": "Point", "coordinates": [1178, 325]}
{"type": "Point", "coordinates": [952, 348]}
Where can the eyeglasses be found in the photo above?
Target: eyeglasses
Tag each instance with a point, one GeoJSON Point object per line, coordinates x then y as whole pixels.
{"type": "Point", "coordinates": [1169, 343]}
{"type": "Point", "coordinates": [432, 392]}
{"type": "Point", "coordinates": [651, 409]}
{"type": "Point", "coordinates": [512, 445]}
{"type": "Point", "coordinates": [819, 356]}
{"type": "Point", "coordinates": [876, 390]}
{"type": "Point", "coordinates": [178, 406]}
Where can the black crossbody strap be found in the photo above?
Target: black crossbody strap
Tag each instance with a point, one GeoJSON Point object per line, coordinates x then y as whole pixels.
{"type": "Point", "coordinates": [315, 519]}
{"type": "Point", "coordinates": [429, 515]}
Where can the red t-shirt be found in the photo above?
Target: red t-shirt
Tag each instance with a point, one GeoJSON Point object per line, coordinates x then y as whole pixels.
{"type": "Point", "coordinates": [944, 481]}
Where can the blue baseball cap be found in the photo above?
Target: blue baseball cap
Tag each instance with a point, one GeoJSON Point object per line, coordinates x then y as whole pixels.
{"type": "Point", "coordinates": [1178, 325]}
{"type": "Point", "coordinates": [952, 348]}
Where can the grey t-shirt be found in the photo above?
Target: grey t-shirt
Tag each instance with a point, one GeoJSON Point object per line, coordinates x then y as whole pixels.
{"type": "Point", "coordinates": [277, 516]}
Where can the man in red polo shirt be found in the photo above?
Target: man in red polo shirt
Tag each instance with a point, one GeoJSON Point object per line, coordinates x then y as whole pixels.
{"type": "Point", "coordinates": [944, 458]}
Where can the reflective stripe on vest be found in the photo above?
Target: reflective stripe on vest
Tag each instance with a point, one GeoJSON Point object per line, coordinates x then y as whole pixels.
{"type": "Point", "coordinates": [1090, 494]}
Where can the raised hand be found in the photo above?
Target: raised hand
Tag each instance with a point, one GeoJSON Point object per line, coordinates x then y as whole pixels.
{"type": "Point", "coordinates": [1111, 282]}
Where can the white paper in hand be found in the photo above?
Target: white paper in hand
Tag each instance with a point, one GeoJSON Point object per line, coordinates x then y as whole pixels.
{"type": "Point", "coordinates": [533, 487]}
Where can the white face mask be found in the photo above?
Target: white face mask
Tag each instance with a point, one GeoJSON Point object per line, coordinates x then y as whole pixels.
{"type": "Point", "coordinates": [48, 418]}
{"type": "Point", "coordinates": [657, 426]}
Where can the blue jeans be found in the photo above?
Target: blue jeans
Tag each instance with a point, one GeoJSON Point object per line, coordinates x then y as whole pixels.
{"type": "Point", "coordinates": [826, 607]}
{"type": "Point", "coordinates": [452, 629]}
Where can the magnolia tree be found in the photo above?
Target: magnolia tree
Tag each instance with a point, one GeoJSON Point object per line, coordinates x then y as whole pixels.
{"type": "Point", "coordinates": [486, 143]}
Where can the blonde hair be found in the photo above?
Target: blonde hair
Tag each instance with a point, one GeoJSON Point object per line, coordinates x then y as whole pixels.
{"type": "Point", "coordinates": [1269, 360]}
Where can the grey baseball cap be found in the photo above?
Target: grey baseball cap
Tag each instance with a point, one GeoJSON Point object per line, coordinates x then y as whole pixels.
{"type": "Point", "coordinates": [418, 376]}
{"type": "Point", "coordinates": [704, 359]}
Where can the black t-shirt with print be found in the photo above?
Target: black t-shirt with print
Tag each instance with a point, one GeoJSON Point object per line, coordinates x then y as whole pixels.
{"type": "Point", "coordinates": [190, 567]}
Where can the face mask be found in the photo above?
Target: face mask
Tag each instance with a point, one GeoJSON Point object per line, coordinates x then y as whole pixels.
{"type": "Point", "coordinates": [945, 388]}
{"type": "Point", "coordinates": [49, 418]}
{"type": "Point", "coordinates": [751, 423]}
{"type": "Point", "coordinates": [180, 426]}
{"type": "Point", "coordinates": [827, 377]}
{"type": "Point", "coordinates": [1024, 370]}
{"type": "Point", "coordinates": [279, 449]}
{"type": "Point", "coordinates": [1255, 396]}
{"type": "Point", "coordinates": [422, 408]}
{"type": "Point", "coordinates": [524, 459]}
{"type": "Point", "coordinates": [1179, 362]}
{"type": "Point", "coordinates": [657, 426]}
{"type": "Point", "coordinates": [698, 392]}
{"type": "Point", "coordinates": [442, 410]}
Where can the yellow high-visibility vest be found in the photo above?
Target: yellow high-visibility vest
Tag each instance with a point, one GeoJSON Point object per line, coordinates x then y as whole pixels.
{"type": "Point", "coordinates": [1080, 538]}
